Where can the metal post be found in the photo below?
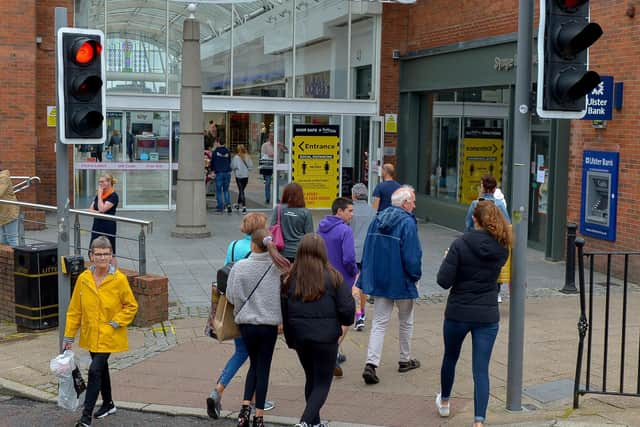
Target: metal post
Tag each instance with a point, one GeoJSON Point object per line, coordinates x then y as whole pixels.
{"type": "Point", "coordinates": [570, 265]}
{"type": "Point", "coordinates": [62, 200]}
{"type": "Point", "coordinates": [142, 252]}
{"type": "Point", "coordinates": [520, 206]}
{"type": "Point", "coordinates": [583, 324]}
{"type": "Point", "coordinates": [76, 235]}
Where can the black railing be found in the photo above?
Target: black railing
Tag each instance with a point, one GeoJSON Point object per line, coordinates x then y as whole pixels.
{"type": "Point", "coordinates": [618, 262]}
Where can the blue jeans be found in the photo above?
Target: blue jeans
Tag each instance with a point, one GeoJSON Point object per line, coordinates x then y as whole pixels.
{"type": "Point", "coordinates": [483, 336]}
{"type": "Point", "coordinates": [238, 358]}
{"type": "Point", "coordinates": [223, 179]}
{"type": "Point", "coordinates": [267, 188]}
{"type": "Point", "coordinates": [9, 233]}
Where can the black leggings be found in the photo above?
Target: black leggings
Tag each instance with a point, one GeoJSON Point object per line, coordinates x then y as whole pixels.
{"type": "Point", "coordinates": [242, 184]}
{"type": "Point", "coordinates": [260, 341]}
{"type": "Point", "coordinates": [318, 361]}
{"type": "Point", "coordinates": [98, 381]}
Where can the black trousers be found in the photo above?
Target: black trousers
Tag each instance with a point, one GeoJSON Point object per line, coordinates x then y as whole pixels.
{"type": "Point", "coordinates": [318, 361]}
{"type": "Point", "coordinates": [98, 382]}
{"type": "Point", "coordinates": [242, 184]}
{"type": "Point", "coordinates": [260, 341]}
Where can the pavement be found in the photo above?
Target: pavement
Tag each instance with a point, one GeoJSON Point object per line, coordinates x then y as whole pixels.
{"type": "Point", "coordinates": [171, 367]}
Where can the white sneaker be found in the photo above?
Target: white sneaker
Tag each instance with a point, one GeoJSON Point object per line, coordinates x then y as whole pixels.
{"type": "Point", "coordinates": [442, 410]}
{"type": "Point", "coordinates": [499, 298]}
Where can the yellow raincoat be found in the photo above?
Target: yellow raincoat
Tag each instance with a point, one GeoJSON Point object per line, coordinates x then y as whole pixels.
{"type": "Point", "coordinates": [92, 308]}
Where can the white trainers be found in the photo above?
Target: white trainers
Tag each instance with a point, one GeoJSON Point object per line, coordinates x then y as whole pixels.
{"type": "Point", "coordinates": [443, 411]}
{"type": "Point", "coordinates": [499, 298]}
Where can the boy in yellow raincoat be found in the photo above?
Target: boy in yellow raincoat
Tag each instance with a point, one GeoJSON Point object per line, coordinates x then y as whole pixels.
{"type": "Point", "coordinates": [102, 306]}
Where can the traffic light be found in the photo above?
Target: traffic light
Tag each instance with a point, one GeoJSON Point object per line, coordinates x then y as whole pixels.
{"type": "Point", "coordinates": [564, 79]}
{"type": "Point", "coordinates": [81, 92]}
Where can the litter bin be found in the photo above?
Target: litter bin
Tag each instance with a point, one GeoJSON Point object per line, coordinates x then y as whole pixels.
{"type": "Point", "coordinates": [36, 285]}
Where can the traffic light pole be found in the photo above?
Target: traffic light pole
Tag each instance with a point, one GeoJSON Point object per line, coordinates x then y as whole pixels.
{"type": "Point", "coordinates": [520, 206]}
{"type": "Point", "coordinates": [62, 200]}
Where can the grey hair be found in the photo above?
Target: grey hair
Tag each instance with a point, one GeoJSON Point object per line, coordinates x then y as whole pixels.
{"type": "Point", "coordinates": [359, 191]}
{"type": "Point", "coordinates": [402, 195]}
{"type": "Point", "coordinates": [100, 242]}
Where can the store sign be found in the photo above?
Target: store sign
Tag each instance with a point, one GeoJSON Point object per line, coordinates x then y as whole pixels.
{"type": "Point", "coordinates": [315, 163]}
{"type": "Point", "coordinates": [600, 101]}
{"type": "Point", "coordinates": [391, 123]}
{"type": "Point", "coordinates": [599, 194]}
{"type": "Point", "coordinates": [482, 154]}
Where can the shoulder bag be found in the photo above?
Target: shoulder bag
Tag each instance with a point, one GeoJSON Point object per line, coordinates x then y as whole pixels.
{"type": "Point", "coordinates": [276, 232]}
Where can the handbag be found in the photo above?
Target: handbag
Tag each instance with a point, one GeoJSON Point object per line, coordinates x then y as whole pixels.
{"type": "Point", "coordinates": [276, 232]}
{"type": "Point", "coordinates": [224, 323]}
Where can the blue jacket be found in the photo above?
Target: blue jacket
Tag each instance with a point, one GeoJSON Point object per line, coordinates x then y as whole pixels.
{"type": "Point", "coordinates": [468, 222]}
{"type": "Point", "coordinates": [341, 251]}
{"type": "Point", "coordinates": [392, 258]}
{"type": "Point", "coordinates": [221, 160]}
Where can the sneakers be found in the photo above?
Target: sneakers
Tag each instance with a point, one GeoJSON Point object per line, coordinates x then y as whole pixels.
{"type": "Point", "coordinates": [105, 410]}
{"type": "Point", "coordinates": [369, 374]}
{"type": "Point", "coordinates": [244, 210]}
{"type": "Point", "coordinates": [341, 358]}
{"type": "Point", "coordinates": [229, 210]}
{"type": "Point", "coordinates": [359, 325]}
{"type": "Point", "coordinates": [268, 406]}
{"type": "Point", "coordinates": [81, 424]}
{"type": "Point", "coordinates": [443, 411]}
{"type": "Point", "coordinates": [213, 405]}
{"type": "Point", "coordinates": [499, 298]}
{"type": "Point", "coordinates": [409, 365]}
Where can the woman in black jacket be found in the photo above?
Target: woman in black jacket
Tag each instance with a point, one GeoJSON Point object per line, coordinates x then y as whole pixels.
{"type": "Point", "coordinates": [313, 313]}
{"type": "Point", "coordinates": [470, 269]}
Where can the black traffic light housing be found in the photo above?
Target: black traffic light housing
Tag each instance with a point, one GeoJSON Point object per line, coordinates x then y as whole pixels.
{"type": "Point", "coordinates": [564, 37]}
{"type": "Point", "coordinates": [81, 86]}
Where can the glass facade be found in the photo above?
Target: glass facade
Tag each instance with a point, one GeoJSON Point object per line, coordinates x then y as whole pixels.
{"type": "Point", "coordinates": [309, 50]}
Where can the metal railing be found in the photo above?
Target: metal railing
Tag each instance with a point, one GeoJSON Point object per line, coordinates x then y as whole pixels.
{"type": "Point", "coordinates": [146, 227]}
{"type": "Point", "coordinates": [618, 262]}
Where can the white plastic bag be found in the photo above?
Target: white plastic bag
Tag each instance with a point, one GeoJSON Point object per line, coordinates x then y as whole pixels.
{"type": "Point", "coordinates": [62, 367]}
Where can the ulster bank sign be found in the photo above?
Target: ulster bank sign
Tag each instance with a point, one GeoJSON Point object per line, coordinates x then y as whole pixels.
{"type": "Point", "coordinates": [600, 100]}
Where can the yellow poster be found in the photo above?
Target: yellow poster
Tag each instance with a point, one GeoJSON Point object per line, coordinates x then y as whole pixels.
{"type": "Point", "coordinates": [482, 153]}
{"type": "Point", "coordinates": [51, 116]}
{"type": "Point", "coordinates": [391, 123]}
{"type": "Point", "coordinates": [315, 163]}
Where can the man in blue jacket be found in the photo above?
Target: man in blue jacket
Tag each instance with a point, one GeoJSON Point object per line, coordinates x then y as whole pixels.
{"type": "Point", "coordinates": [338, 237]}
{"type": "Point", "coordinates": [391, 268]}
{"type": "Point", "coordinates": [221, 166]}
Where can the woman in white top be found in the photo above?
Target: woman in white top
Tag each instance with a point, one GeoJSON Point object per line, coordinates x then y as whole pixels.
{"type": "Point", "coordinates": [241, 165]}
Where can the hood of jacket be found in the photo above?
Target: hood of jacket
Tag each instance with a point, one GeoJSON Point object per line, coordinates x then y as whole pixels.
{"type": "Point", "coordinates": [328, 223]}
{"type": "Point", "coordinates": [483, 245]}
{"type": "Point", "coordinates": [390, 217]}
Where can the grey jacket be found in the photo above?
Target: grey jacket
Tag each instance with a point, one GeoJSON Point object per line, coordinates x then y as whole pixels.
{"type": "Point", "coordinates": [295, 223]}
{"type": "Point", "coordinates": [363, 214]}
{"type": "Point", "coordinates": [263, 308]}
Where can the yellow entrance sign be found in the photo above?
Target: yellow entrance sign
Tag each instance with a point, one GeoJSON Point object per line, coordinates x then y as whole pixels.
{"type": "Point", "coordinates": [482, 154]}
{"type": "Point", "coordinates": [315, 163]}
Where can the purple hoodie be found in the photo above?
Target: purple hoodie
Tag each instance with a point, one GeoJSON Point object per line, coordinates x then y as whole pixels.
{"type": "Point", "coordinates": [338, 237]}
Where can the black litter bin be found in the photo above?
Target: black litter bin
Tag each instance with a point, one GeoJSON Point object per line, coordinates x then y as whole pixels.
{"type": "Point", "coordinates": [36, 285]}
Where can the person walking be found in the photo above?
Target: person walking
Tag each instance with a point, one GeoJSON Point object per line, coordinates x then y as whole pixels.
{"type": "Point", "coordinates": [338, 237]}
{"type": "Point", "coordinates": [221, 167]}
{"type": "Point", "coordinates": [316, 304]}
{"type": "Point", "coordinates": [383, 191]}
{"type": "Point", "coordinates": [105, 202]}
{"type": "Point", "coordinates": [266, 164]}
{"type": "Point", "coordinates": [237, 250]}
{"type": "Point", "coordinates": [470, 270]}
{"type": "Point", "coordinates": [102, 306]}
{"type": "Point", "coordinates": [254, 290]}
{"type": "Point", "coordinates": [391, 268]}
{"type": "Point", "coordinates": [8, 213]}
{"type": "Point", "coordinates": [363, 214]}
{"type": "Point", "coordinates": [241, 166]}
{"type": "Point", "coordinates": [295, 219]}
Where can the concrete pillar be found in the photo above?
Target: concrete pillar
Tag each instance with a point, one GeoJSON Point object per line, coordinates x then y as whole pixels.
{"type": "Point", "coordinates": [191, 205]}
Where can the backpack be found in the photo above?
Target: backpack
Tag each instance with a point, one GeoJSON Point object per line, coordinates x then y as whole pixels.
{"type": "Point", "coordinates": [222, 274]}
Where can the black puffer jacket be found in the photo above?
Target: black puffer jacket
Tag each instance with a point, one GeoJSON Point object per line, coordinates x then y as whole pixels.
{"type": "Point", "coordinates": [471, 270]}
{"type": "Point", "coordinates": [321, 320]}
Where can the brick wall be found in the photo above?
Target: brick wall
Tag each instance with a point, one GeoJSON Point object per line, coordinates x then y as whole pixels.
{"type": "Point", "coordinates": [7, 287]}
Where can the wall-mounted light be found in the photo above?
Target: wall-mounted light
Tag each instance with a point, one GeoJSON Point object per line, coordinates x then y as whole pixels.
{"type": "Point", "coordinates": [395, 54]}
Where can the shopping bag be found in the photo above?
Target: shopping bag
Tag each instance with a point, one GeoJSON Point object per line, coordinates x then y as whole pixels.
{"type": "Point", "coordinates": [63, 367]}
{"type": "Point", "coordinates": [276, 233]}
{"type": "Point", "coordinates": [224, 324]}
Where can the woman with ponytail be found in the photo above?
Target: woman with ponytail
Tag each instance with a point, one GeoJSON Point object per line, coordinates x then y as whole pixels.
{"type": "Point", "coordinates": [254, 290]}
{"type": "Point", "coordinates": [470, 269]}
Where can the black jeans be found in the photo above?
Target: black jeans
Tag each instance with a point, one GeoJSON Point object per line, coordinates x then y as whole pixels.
{"type": "Point", "coordinates": [98, 382]}
{"type": "Point", "coordinates": [318, 361]}
{"type": "Point", "coordinates": [242, 184]}
{"type": "Point", "coordinates": [260, 341]}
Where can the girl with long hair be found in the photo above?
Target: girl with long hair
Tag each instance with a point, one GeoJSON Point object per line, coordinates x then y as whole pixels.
{"type": "Point", "coordinates": [314, 311]}
{"type": "Point", "coordinates": [241, 166]}
{"type": "Point", "coordinates": [470, 269]}
{"type": "Point", "coordinates": [254, 290]}
{"type": "Point", "coordinates": [295, 219]}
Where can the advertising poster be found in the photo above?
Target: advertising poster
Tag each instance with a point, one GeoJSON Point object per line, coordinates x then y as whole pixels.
{"type": "Point", "coordinates": [482, 152]}
{"type": "Point", "coordinates": [315, 163]}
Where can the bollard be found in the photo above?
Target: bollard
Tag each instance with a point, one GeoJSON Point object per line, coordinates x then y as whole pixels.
{"type": "Point", "coordinates": [570, 266]}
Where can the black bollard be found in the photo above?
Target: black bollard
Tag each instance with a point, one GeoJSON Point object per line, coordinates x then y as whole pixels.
{"type": "Point", "coordinates": [570, 267]}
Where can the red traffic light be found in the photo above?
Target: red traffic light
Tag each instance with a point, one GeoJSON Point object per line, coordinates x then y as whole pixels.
{"type": "Point", "coordinates": [570, 5]}
{"type": "Point", "coordinates": [85, 51]}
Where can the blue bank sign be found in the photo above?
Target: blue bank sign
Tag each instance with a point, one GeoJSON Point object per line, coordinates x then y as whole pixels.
{"type": "Point", "coordinates": [600, 101]}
